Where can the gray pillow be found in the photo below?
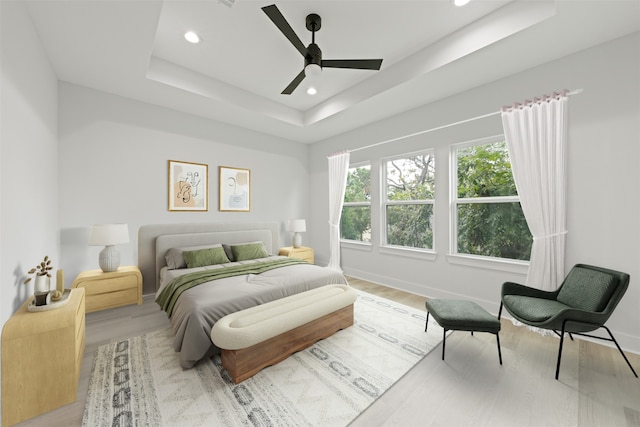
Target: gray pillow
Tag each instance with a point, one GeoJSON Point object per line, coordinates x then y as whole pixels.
{"type": "Point", "coordinates": [204, 257]}
{"type": "Point", "coordinates": [247, 251]}
{"type": "Point", "coordinates": [175, 258]}
{"type": "Point", "coordinates": [227, 249]}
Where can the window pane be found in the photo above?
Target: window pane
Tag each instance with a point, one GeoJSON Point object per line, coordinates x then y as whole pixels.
{"type": "Point", "coordinates": [493, 229]}
{"type": "Point", "coordinates": [410, 225]}
{"type": "Point", "coordinates": [411, 178]}
{"type": "Point", "coordinates": [355, 223]}
{"type": "Point", "coordinates": [485, 171]}
{"type": "Point", "coordinates": [358, 185]}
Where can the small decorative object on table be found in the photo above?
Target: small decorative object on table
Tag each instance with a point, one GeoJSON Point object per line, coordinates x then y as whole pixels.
{"type": "Point", "coordinates": [43, 295]}
{"type": "Point", "coordinates": [42, 284]}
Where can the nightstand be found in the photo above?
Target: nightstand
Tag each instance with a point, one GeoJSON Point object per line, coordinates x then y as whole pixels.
{"type": "Point", "coordinates": [42, 354]}
{"type": "Point", "coordinates": [112, 289]}
{"type": "Point", "coordinates": [302, 252]}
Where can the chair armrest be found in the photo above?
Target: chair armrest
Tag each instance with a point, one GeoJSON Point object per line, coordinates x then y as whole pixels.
{"type": "Point", "coordinates": [510, 288]}
{"type": "Point", "coordinates": [596, 319]}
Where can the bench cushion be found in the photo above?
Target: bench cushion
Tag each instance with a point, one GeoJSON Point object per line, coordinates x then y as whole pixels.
{"type": "Point", "coordinates": [251, 326]}
{"type": "Point", "coordinates": [460, 315]}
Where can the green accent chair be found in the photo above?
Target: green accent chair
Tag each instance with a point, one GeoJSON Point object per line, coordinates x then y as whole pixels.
{"type": "Point", "coordinates": [583, 303]}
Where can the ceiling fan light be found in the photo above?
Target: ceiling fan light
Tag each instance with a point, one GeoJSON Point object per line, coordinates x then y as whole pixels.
{"type": "Point", "coordinates": [192, 37]}
{"type": "Point", "coordinates": [312, 70]}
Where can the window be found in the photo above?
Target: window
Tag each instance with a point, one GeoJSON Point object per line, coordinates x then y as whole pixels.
{"type": "Point", "coordinates": [409, 191]}
{"type": "Point", "coordinates": [487, 218]}
{"type": "Point", "coordinates": [355, 222]}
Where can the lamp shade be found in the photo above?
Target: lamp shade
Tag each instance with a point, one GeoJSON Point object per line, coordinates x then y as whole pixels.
{"type": "Point", "coordinates": [297, 225]}
{"type": "Point", "coordinates": [108, 234]}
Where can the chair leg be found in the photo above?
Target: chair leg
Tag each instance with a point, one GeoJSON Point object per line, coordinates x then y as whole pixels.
{"type": "Point", "coordinates": [560, 350]}
{"type": "Point", "coordinates": [500, 311]}
{"type": "Point", "coordinates": [621, 352]}
{"type": "Point", "coordinates": [444, 341]}
{"type": "Point", "coordinates": [427, 322]}
{"type": "Point", "coordinates": [499, 352]}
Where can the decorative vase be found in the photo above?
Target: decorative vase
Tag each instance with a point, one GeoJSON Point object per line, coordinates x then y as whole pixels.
{"type": "Point", "coordinates": [42, 284]}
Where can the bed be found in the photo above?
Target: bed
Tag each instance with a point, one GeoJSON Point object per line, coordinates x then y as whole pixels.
{"type": "Point", "coordinates": [254, 275]}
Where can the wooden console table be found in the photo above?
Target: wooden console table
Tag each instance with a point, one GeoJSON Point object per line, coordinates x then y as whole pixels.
{"type": "Point", "coordinates": [41, 358]}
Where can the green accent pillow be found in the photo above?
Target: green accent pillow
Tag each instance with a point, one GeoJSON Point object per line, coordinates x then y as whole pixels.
{"type": "Point", "coordinates": [249, 251]}
{"type": "Point", "coordinates": [175, 258]}
{"type": "Point", "coordinates": [203, 257]}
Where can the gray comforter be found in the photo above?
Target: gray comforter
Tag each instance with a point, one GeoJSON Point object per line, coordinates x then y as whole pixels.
{"type": "Point", "coordinates": [200, 307]}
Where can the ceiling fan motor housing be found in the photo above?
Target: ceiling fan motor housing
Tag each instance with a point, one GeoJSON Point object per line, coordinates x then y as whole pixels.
{"type": "Point", "coordinates": [313, 56]}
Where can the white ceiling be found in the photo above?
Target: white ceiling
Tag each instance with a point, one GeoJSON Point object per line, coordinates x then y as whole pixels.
{"type": "Point", "coordinates": [235, 75]}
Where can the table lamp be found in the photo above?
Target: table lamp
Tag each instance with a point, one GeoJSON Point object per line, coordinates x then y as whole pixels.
{"type": "Point", "coordinates": [297, 226]}
{"type": "Point", "coordinates": [109, 235]}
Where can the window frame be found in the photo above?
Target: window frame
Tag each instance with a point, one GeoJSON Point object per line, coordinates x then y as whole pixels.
{"type": "Point", "coordinates": [474, 260]}
{"type": "Point", "coordinates": [385, 247]}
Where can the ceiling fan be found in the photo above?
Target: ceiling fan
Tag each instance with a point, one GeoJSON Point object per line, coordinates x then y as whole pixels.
{"type": "Point", "coordinates": [313, 62]}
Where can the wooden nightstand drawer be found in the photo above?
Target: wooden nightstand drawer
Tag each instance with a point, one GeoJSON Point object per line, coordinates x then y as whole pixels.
{"type": "Point", "coordinates": [112, 289]}
{"type": "Point", "coordinates": [112, 299]}
{"type": "Point", "coordinates": [302, 252]}
{"type": "Point", "coordinates": [104, 286]}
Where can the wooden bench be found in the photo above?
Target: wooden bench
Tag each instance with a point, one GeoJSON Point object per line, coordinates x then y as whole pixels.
{"type": "Point", "coordinates": [261, 336]}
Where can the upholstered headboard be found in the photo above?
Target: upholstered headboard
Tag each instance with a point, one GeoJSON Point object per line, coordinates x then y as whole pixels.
{"type": "Point", "coordinates": [155, 240]}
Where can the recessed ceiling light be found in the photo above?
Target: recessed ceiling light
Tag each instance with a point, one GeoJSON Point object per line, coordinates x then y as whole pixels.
{"type": "Point", "coordinates": [460, 2]}
{"type": "Point", "coordinates": [312, 91]}
{"type": "Point", "coordinates": [192, 37]}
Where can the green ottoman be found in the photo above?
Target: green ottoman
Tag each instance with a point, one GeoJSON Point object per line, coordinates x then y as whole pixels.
{"type": "Point", "coordinates": [459, 315]}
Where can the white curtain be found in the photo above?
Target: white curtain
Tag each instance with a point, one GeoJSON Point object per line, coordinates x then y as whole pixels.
{"type": "Point", "coordinates": [536, 135]}
{"type": "Point", "coordinates": [338, 170]}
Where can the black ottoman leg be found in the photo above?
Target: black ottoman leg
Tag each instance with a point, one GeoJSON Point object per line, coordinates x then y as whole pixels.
{"type": "Point", "coordinates": [426, 323]}
{"type": "Point", "coordinates": [444, 341]}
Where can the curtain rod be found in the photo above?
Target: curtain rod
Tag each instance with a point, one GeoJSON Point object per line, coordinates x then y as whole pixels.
{"type": "Point", "coordinates": [484, 116]}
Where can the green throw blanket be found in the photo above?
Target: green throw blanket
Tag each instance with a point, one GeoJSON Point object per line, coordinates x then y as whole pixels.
{"type": "Point", "coordinates": [170, 294]}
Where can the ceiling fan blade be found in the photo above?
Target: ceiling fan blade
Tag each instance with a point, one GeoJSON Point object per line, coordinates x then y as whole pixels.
{"type": "Point", "coordinates": [294, 84]}
{"type": "Point", "coordinates": [360, 64]}
{"type": "Point", "coordinates": [274, 14]}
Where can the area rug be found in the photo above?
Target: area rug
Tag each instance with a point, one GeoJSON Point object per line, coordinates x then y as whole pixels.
{"type": "Point", "coordinates": [139, 381]}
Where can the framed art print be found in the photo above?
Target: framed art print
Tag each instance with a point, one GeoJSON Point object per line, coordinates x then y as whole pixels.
{"type": "Point", "coordinates": [235, 189]}
{"type": "Point", "coordinates": [188, 189]}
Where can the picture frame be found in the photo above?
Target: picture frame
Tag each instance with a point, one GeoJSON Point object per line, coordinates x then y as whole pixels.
{"type": "Point", "coordinates": [235, 189]}
{"type": "Point", "coordinates": [188, 186]}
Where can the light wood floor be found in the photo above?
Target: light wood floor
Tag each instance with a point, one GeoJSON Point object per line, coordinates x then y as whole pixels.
{"type": "Point", "coordinates": [469, 388]}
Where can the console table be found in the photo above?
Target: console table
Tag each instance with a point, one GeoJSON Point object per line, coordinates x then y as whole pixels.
{"type": "Point", "coordinates": [41, 358]}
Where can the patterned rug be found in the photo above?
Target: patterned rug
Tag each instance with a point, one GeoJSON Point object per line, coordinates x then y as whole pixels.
{"type": "Point", "coordinates": [139, 381]}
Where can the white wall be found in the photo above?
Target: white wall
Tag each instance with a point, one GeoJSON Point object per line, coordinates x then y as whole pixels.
{"type": "Point", "coordinates": [603, 200]}
{"type": "Point", "coordinates": [28, 157]}
{"type": "Point", "coordinates": [113, 168]}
